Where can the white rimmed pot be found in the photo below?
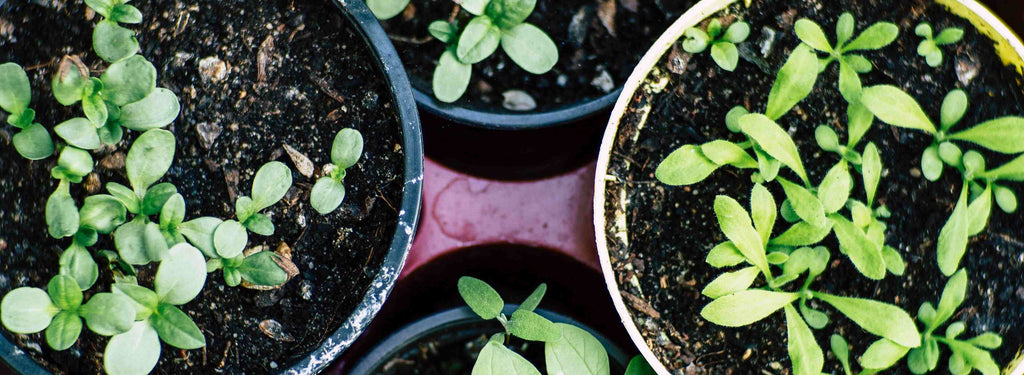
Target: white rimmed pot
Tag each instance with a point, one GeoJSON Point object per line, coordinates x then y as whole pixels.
{"type": "Point", "coordinates": [610, 221]}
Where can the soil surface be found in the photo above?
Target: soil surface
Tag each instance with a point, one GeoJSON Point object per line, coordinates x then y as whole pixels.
{"type": "Point", "coordinates": [451, 354]}
{"type": "Point", "coordinates": [293, 73]}
{"type": "Point", "coordinates": [589, 52]}
{"type": "Point", "coordinates": [671, 229]}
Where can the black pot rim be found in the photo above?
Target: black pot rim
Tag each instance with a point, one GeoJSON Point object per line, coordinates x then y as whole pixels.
{"type": "Point", "coordinates": [369, 29]}
{"type": "Point", "coordinates": [514, 121]}
{"type": "Point", "coordinates": [453, 318]}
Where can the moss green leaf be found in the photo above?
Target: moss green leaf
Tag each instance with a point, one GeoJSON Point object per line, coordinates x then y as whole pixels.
{"type": "Point", "coordinates": [271, 183]}
{"type": "Point", "coordinates": [181, 275]}
{"type": "Point", "coordinates": [230, 239]}
{"type": "Point", "coordinates": [528, 325]}
{"type": "Point", "coordinates": [496, 359]}
{"type": "Point", "coordinates": [128, 80]}
{"type": "Point", "coordinates": [442, 30]}
{"type": "Point", "coordinates": [108, 314]}
{"type": "Point", "coordinates": [479, 40]}
{"type": "Point", "coordinates": [70, 81]}
{"type": "Point", "coordinates": [80, 133]}
{"type": "Point", "coordinates": [533, 300]}
{"type": "Point", "coordinates": [347, 148]}
{"type": "Point", "coordinates": [102, 213]}
{"type": "Point", "coordinates": [386, 9]}
{"type": "Point", "coordinates": [112, 42]}
{"type": "Point", "coordinates": [64, 330]}
{"type": "Point", "coordinates": [144, 300]}
{"type": "Point", "coordinates": [149, 158]}
{"type": "Point", "coordinates": [77, 263]}
{"type": "Point", "coordinates": [15, 91]}
{"type": "Point", "coordinates": [509, 13]}
{"type": "Point", "coordinates": [177, 329]}
{"type": "Point", "coordinates": [262, 269]}
{"type": "Point", "coordinates": [134, 352]}
{"type": "Point", "coordinates": [326, 195]}
{"type": "Point", "coordinates": [61, 213]}
{"type": "Point", "coordinates": [33, 142]}
{"type": "Point", "coordinates": [200, 233]}
{"type": "Point", "coordinates": [156, 110]}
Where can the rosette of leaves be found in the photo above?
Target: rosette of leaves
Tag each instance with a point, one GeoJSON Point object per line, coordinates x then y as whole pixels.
{"type": "Point", "coordinates": [567, 348]}
{"type": "Point", "coordinates": [111, 41]}
{"type": "Point", "coordinates": [179, 279]}
{"type": "Point", "coordinates": [386, 9]}
{"type": "Point", "coordinates": [722, 42]}
{"type": "Point", "coordinates": [846, 48]}
{"type": "Point", "coordinates": [124, 96]}
{"type": "Point", "coordinates": [494, 23]}
{"type": "Point", "coordinates": [736, 302]}
{"type": "Point", "coordinates": [329, 191]}
{"type": "Point", "coordinates": [59, 310]}
{"type": "Point", "coordinates": [929, 46]}
{"type": "Point", "coordinates": [981, 186]}
{"type": "Point", "coordinates": [230, 237]}
{"type": "Point", "coordinates": [260, 268]}
{"type": "Point", "coordinates": [32, 141]}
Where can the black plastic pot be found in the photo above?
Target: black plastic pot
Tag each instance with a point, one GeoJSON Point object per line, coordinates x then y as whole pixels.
{"type": "Point", "coordinates": [455, 327]}
{"type": "Point", "coordinates": [374, 297]}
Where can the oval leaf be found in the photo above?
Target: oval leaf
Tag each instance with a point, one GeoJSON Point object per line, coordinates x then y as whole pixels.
{"type": "Point", "coordinates": [63, 330]}
{"type": "Point", "coordinates": [684, 166]}
{"type": "Point", "coordinates": [528, 325]}
{"type": "Point", "coordinates": [479, 40]}
{"type": "Point", "coordinates": [746, 307]}
{"type": "Point", "coordinates": [731, 282]}
{"type": "Point", "coordinates": [794, 81]}
{"type": "Point", "coordinates": [112, 42]}
{"type": "Point", "coordinates": [451, 78]}
{"type": "Point", "coordinates": [156, 110]}
{"type": "Point", "coordinates": [576, 352]}
{"type": "Point", "coordinates": [15, 91]}
{"type": "Point", "coordinates": [262, 269]}
{"type": "Point", "coordinates": [33, 142]}
{"type": "Point", "coordinates": [80, 133]}
{"type": "Point", "coordinates": [496, 359]}
{"type": "Point", "coordinates": [480, 297]}
{"type": "Point", "coordinates": [879, 318]}
{"type": "Point", "coordinates": [134, 352]}
{"type": "Point", "coordinates": [177, 329]}
{"type": "Point", "coordinates": [181, 275]}
{"type": "Point", "coordinates": [530, 48]}
{"type": "Point", "coordinates": [230, 239]}
{"type": "Point", "coordinates": [954, 236]}
{"type": "Point", "coordinates": [128, 80]}
{"type": "Point", "coordinates": [864, 253]}
{"type": "Point", "coordinates": [149, 159]}
{"type": "Point", "coordinates": [347, 148]}
{"type": "Point", "coordinates": [896, 108]}
{"type": "Point", "coordinates": [27, 310]}
{"type": "Point", "coordinates": [271, 183]}
{"type": "Point", "coordinates": [108, 314]}
{"type": "Point", "coordinates": [327, 195]}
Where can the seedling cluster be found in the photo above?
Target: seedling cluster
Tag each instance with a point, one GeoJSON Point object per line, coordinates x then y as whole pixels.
{"type": "Point", "coordinates": [329, 191]}
{"type": "Point", "coordinates": [770, 261]}
{"type": "Point", "coordinates": [929, 46]}
{"type": "Point", "coordinates": [723, 44]}
{"type": "Point", "coordinates": [567, 349]}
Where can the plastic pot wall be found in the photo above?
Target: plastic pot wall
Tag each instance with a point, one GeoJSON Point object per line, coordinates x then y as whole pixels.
{"type": "Point", "coordinates": [1007, 45]}
{"type": "Point", "coordinates": [359, 15]}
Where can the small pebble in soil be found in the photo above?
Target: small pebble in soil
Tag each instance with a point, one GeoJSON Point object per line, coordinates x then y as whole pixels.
{"type": "Point", "coordinates": [518, 100]}
{"type": "Point", "coordinates": [307, 290]}
{"type": "Point", "coordinates": [578, 27]}
{"type": "Point", "coordinates": [767, 41]}
{"type": "Point", "coordinates": [966, 70]}
{"type": "Point", "coordinates": [208, 133]}
{"type": "Point", "coordinates": [213, 69]}
{"type": "Point", "coordinates": [562, 80]}
{"type": "Point", "coordinates": [273, 364]}
{"type": "Point", "coordinates": [604, 81]}
{"type": "Point", "coordinates": [274, 330]}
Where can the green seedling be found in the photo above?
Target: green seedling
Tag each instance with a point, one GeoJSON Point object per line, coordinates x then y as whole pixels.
{"type": "Point", "coordinates": [568, 349]}
{"type": "Point", "coordinates": [271, 183]}
{"type": "Point", "coordinates": [260, 268]}
{"type": "Point", "coordinates": [124, 96]}
{"type": "Point", "coordinates": [875, 37]}
{"type": "Point", "coordinates": [495, 22]}
{"type": "Point", "coordinates": [929, 46]}
{"type": "Point", "coordinates": [329, 191]}
{"type": "Point", "coordinates": [179, 279]}
{"type": "Point", "coordinates": [32, 141]}
{"type": "Point", "coordinates": [723, 44]}
{"type": "Point", "coordinates": [59, 310]}
{"type": "Point", "coordinates": [386, 9]}
{"type": "Point", "coordinates": [110, 40]}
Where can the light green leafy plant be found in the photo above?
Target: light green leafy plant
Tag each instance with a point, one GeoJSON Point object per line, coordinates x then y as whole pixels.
{"type": "Point", "coordinates": [723, 44]}
{"type": "Point", "coordinates": [875, 37]}
{"type": "Point", "coordinates": [32, 141]}
{"type": "Point", "coordinates": [271, 183]}
{"type": "Point", "coordinates": [494, 23]}
{"type": "Point", "coordinates": [329, 191]}
{"type": "Point", "coordinates": [260, 268]}
{"type": "Point", "coordinates": [929, 46]}
{"type": "Point", "coordinates": [386, 9]}
{"type": "Point", "coordinates": [110, 40]}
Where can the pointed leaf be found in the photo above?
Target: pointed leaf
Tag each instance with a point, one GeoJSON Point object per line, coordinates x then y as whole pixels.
{"type": "Point", "coordinates": [802, 234]}
{"type": "Point", "coordinates": [865, 254]}
{"type": "Point", "coordinates": [684, 166]}
{"type": "Point", "coordinates": [895, 107]}
{"type": "Point", "coordinates": [794, 81]}
{"type": "Point", "coordinates": [731, 282]}
{"type": "Point", "coordinates": [954, 236]}
{"type": "Point", "coordinates": [533, 300]}
{"type": "Point", "coordinates": [803, 349]}
{"type": "Point", "coordinates": [774, 141]}
{"type": "Point", "coordinates": [528, 325]}
{"type": "Point", "coordinates": [725, 255]}
{"type": "Point", "coordinates": [736, 224]}
{"type": "Point", "coordinates": [835, 188]}
{"type": "Point", "coordinates": [177, 329]}
{"type": "Point", "coordinates": [1004, 134]}
{"type": "Point", "coordinates": [871, 170]}
{"type": "Point", "coordinates": [262, 269]}
{"type": "Point", "coordinates": [883, 354]}
{"type": "Point", "coordinates": [874, 37]}
{"type": "Point", "coordinates": [807, 206]}
{"type": "Point", "coordinates": [480, 297]}
{"type": "Point", "coordinates": [811, 34]}
{"type": "Point", "coordinates": [763, 211]}
{"type": "Point", "coordinates": [879, 318]}
{"type": "Point", "coordinates": [746, 307]}
{"type": "Point", "coordinates": [979, 210]}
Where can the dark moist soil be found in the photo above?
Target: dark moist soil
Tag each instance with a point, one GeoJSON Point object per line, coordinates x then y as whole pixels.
{"type": "Point", "coordinates": [671, 229]}
{"type": "Point", "coordinates": [586, 49]}
{"type": "Point", "coordinates": [297, 73]}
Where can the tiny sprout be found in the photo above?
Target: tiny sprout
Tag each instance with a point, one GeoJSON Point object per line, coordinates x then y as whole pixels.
{"type": "Point", "coordinates": [329, 191]}
{"type": "Point", "coordinates": [271, 183]}
{"type": "Point", "coordinates": [33, 141]}
{"type": "Point", "coordinates": [495, 22]}
{"type": "Point", "coordinates": [386, 9]}
{"type": "Point", "coordinates": [260, 269]}
{"type": "Point", "coordinates": [929, 46]}
{"type": "Point", "coordinates": [723, 44]}
{"type": "Point", "coordinates": [875, 37]}
{"type": "Point", "coordinates": [111, 41]}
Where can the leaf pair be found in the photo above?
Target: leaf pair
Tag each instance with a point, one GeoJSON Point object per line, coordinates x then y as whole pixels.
{"type": "Point", "coordinates": [260, 269]}
{"type": "Point", "coordinates": [142, 241]}
{"type": "Point", "coordinates": [33, 141]}
{"type": "Point", "coordinates": [329, 191]}
{"type": "Point", "coordinates": [496, 22]}
{"type": "Point", "coordinates": [722, 42]}
{"type": "Point", "coordinates": [691, 164]}
{"type": "Point", "coordinates": [60, 311]}
{"type": "Point", "coordinates": [111, 41]}
{"type": "Point", "coordinates": [929, 46]}
{"type": "Point", "coordinates": [271, 183]}
{"type": "Point", "coordinates": [875, 37]}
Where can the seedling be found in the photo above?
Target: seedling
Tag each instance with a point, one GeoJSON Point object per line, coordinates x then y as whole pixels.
{"type": "Point", "coordinates": [929, 46]}
{"type": "Point", "coordinates": [271, 183]}
{"type": "Point", "coordinates": [568, 349]}
{"type": "Point", "coordinates": [723, 44]}
{"type": "Point", "coordinates": [875, 37]}
{"type": "Point", "coordinates": [329, 191]}
{"type": "Point", "coordinates": [260, 268]}
{"type": "Point", "coordinates": [32, 141]}
{"type": "Point", "coordinates": [387, 9]}
{"type": "Point", "coordinates": [495, 22]}
{"type": "Point", "coordinates": [110, 40]}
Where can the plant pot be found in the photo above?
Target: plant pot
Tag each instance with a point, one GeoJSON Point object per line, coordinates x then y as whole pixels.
{"type": "Point", "coordinates": [456, 331]}
{"type": "Point", "coordinates": [654, 276]}
{"type": "Point", "coordinates": [380, 213]}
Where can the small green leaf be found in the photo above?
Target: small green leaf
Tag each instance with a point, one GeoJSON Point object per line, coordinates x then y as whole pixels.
{"type": "Point", "coordinates": [893, 261]}
{"type": "Point", "coordinates": [69, 83]}
{"type": "Point", "coordinates": [386, 9]}
{"type": "Point", "coordinates": [156, 197]}
{"type": "Point", "coordinates": [863, 252]}
{"type": "Point", "coordinates": [696, 40]}
{"type": "Point", "coordinates": [774, 141]}
{"type": "Point", "coordinates": [528, 325]}
{"type": "Point", "coordinates": [1011, 171]}
{"type": "Point", "coordinates": [949, 36]}
{"type": "Point", "coordinates": [451, 77]}
{"type": "Point", "coordinates": [64, 330]}
{"type": "Point", "coordinates": [128, 80]}
{"type": "Point", "coordinates": [496, 359]}
{"type": "Point", "coordinates": [736, 224]}
{"type": "Point", "coordinates": [95, 110]}
{"type": "Point", "coordinates": [74, 164]}
{"type": "Point", "coordinates": [871, 170]}
{"type": "Point", "coordinates": [976, 358]}
{"type": "Point", "coordinates": [878, 318]}
{"type": "Point", "coordinates": [746, 307]}
{"type": "Point", "coordinates": [230, 239]}
{"type": "Point", "coordinates": [979, 211]}
{"type": "Point", "coordinates": [812, 35]}
{"type": "Point", "coordinates": [883, 354]}
{"type": "Point", "coordinates": [802, 234]}
{"type": "Point", "coordinates": [685, 166]}
{"type": "Point", "coordinates": [200, 233]}
{"type": "Point", "coordinates": [576, 352]}
{"type": "Point", "coordinates": [64, 292]}
{"type": "Point", "coordinates": [33, 142]}
{"type": "Point", "coordinates": [102, 213]}
{"type": "Point", "coordinates": [80, 133]}
{"type": "Point", "coordinates": [530, 48]}
{"type": "Point", "coordinates": [156, 110]}
{"type": "Point", "coordinates": [731, 282]}
{"type": "Point", "coordinates": [1006, 199]}
{"type": "Point", "coordinates": [144, 300]}
{"type": "Point", "coordinates": [826, 138]}
{"type": "Point", "coordinates": [124, 13]}
{"type": "Point", "coordinates": [639, 366]}
{"type": "Point", "coordinates": [260, 224]}
{"type": "Point", "coordinates": [108, 314]}
{"type": "Point", "coordinates": [987, 340]}
{"type": "Point", "coordinates": [953, 108]}
{"type": "Point", "coordinates": [835, 188]}
{"type": "Point", "coordinates": [763, 211]}
{"type": "Point", "coordinates": [952, 296]}
{"type": "Point", "coordinates": [533, 300]}
{"type": "Point", "coordinates": [479, 39]}
{"type": "Point", "coordinates": [113, 43]}
{"type": "Point", "coordinates": [805, 203]}
{"type": "Point", "coordinates": [767, 166]}
{"type": "Point", "coordinates": [803, 350]}
{"type": "Point", "coordinates": [954, 236]}
{"type": "Point", "coordinates": [814, 318]}
{"type": "Point", "coordinates": [442, 30]}
{"type": "Point", "coordinates": [725, 255]}
{"type": "Point", "coordinates": [181, 275]}
{"type": "Point", "coordinates": [61, 213]}
{"type": "Point", "coordinates": [262, 269]}
{"type": "Point", "coordinates": [15, 91]}
{"type": "Point", "coordinates": [481, 298]}
{"type": "Point", "coordinates": [347, 148]}
{"type": "Point", "coordinates": [475, 7]}
{"type": "Point", "coordinates": [173, 212]}
{"type": "Point", "coordinates": [1004, 134]}
{"type": "Point", "coordinates": [895, 107]}
{"type": "Point", "coordinates": [840, 347]}
{"type": "Point", "coordinates": [931, 163]}
{"type": "Point", "coordinates": [244, 208]}
{"type": "Point", "coordinates": [794, 81]}
{"type": "Point", "coordinates": [77, 263]}
{"type": "Point", "coordinates": [177, 329]}
{"type": "Point", "coordinates": [133, 352]}
{"type": "Point", "coordinates": [875, 37]}
{"type": "Point", "coordinates": [271, 183]}
{"type": "Point", "coordinates": [726, 55]}
{"type": "Point", "coordinates": [149, 158]}
{"type": "Point", "coordinates": [849, 82]}
{"type": "Point", "coordinates": [509, 13]}
{"type": "Point", "coordinates": [326, 195]}
{"type": "Point", "coordinates": [139, 242]}
{"type": "Point", "coordinates": [27, 310]}
{"type": "Point", "coordinates": [737, 32]}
